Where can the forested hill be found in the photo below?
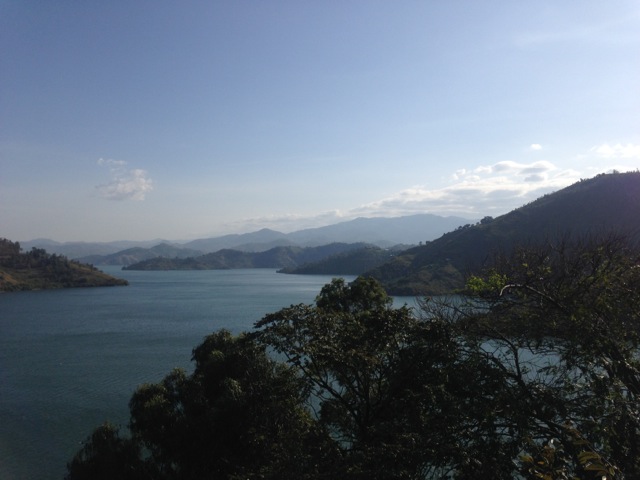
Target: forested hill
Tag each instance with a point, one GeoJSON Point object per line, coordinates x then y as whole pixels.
{"type": "Point", "coordinates": [38, 269]}
{"type": "Point", "coordinates": [278, 257]}
{"type": "Point", "coordinates": [597, 206]}
{"type": "Point", "coordinates": [352, 262]}
{"type": "Point", "coordinates": [139, 254]}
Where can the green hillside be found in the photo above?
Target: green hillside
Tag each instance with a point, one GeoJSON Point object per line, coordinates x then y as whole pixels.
{"type": "Point", "coordinates": [278, 257]}
{"type": "Point", "coordinates": [139, 254]}
{"type": "Point", "coordinates": [597, 206]}
{"type": "Point", "coordinates": [354, 262]}
{"type": "Point", "coordinates": [37, 269]}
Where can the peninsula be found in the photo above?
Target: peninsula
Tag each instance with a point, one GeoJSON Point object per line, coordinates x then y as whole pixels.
{"type": "Point", "coordinates": [37, 269]}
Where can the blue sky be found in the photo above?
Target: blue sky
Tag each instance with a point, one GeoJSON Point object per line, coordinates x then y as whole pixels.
{"type": "Point", "coordinates": [178, 120]}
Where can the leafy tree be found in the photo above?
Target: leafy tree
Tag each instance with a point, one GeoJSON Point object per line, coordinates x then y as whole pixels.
{"type": "Point", "coordinates": [106, 456]}
{"type": "Point", "coordinates": [578, 304]}
{"type": "Point", "coordinates": [392, 390]}
{"type": "Point", "coordinates": [238, 415]}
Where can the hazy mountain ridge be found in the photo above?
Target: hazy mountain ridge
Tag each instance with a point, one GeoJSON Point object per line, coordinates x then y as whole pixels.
{"type": "Point", "coordinates": [138, 254]}
{"type": "Point", "coordinates": [77, 250]}
{"type": "Point", "coordinates": [236, 240]}
{"type": "Point", "coordinates": [597, 206]}
{"type": "Point", "coordinates": [383, 232]}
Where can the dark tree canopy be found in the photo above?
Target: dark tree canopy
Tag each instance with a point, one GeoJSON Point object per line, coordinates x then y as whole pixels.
{"type": "Point", "coordinates": [577, 302]}
{"type": "Point", "coordinates": [238, 415]}
{"type": "Point", "coordinates": [392, 389]}
{"type": "Point", "coordinates": [106, 455]}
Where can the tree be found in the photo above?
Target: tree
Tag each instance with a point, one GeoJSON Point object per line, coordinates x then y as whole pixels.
{"type": "Point", "coordinates": [106, 455]}
{"type": "Point", "coordinates": [576, 302]}
{"type": "Point", "coordinates": [392, 390]}
{"type": "Point", "coordinates": [238, 415]}
{"type": "Point", "coordinates": [535, 373]}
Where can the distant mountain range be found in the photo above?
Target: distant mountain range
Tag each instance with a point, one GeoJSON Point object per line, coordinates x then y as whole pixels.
{"type": "Point", "coordinates": [448, 248]}
{"type": "Point", "coordinates": [78, 250]}
{"type": "Point", "coordinates": [278, 257]}
{"type": "Point", "coordinates": [140, 254]}
{"type": "Point", "coordinates": [598, 206]}
{"type": "Point", "coordinates": [382, 232]}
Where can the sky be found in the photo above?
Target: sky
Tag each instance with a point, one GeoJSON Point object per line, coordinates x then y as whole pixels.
{"type": "Point", "coordinates": [179, 120]}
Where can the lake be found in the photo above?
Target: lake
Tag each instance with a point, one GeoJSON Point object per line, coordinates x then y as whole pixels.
{"type": "Point", "coordinates": [70, 359]}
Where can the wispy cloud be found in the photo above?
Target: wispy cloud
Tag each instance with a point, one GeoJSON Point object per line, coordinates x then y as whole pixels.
{"type": "Point", "coordinates": [492, 189]}
{"type": "Point", "coordinates": [125, 184]}
{"type": "Point", "coordinates": [287, 222]}
{"type": "Point", "coordinates": [483, 190]}
{"type": "Point", "coordinates": [535, 146]}
{"type": "Point", "coordinates": [618, 150]}
{"type": "Point", "coordinates": [618, 30]}
{"type": "Point", "coordinates": [474, 193]}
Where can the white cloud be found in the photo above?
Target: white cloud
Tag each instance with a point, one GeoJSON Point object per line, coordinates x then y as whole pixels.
{"type": "Point", "coordinates": [459, 173]}
{"type": "Point", "coordinates": [473, 192]}
{"type": "Point", "coordinates": [535, 146]}
{"type": "Point", "coordinates": [500, 167]}
{"type": "Point", "coordinates": [607, 151]}
{"type": "Point", "coordinates": [111, 163]}
{"type": "Point", "coordinates": [514, 168]}
{"type": "Point", "coordinates": [535, 178]}
{"type": "Point", "coordinates": [125, 184]}
{"type": "Point", "coordinates": [487, 189]}
{"type": "Point", "coordinates": [286, 222]}
{"type": "Point", "coordinates": [539, 168]}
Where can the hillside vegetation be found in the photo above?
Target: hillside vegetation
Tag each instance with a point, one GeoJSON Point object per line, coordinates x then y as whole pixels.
{"type": "Point", "coordinates": [596, 207]}
{"type": "Point", "coordinates": [353, 262]}
{"type": "Point", "coordinates": [278, 257]}
{"type": "Point", "coordinates": [38, 269]}
{"type": "Point", "coordinates": [139, 254]}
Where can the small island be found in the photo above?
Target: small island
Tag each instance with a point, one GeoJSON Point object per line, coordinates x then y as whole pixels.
{"type": "Point", "coordinates": [37, 270]}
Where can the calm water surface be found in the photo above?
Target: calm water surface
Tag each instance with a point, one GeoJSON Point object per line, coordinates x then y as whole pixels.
{"type": "Point", "coordinates": [70, 359]}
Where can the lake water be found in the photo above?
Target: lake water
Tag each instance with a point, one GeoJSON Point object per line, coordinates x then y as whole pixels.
{"type": "Point", "coordinates": [70, 359]}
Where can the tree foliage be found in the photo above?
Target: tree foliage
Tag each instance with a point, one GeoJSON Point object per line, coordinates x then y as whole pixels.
{"type": "Point", "coordinates": [534, 374]}
{"type": "Point", "coordinates": [37, 269]}
{"type": "Point", "coordinates": [392, 389]}
{"type": "Point", "coordinates": [238, 415]}
{"type": "Point", "coordinates": [106, 455]}
{"type": "Point", "coordinates": [578, 304]}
